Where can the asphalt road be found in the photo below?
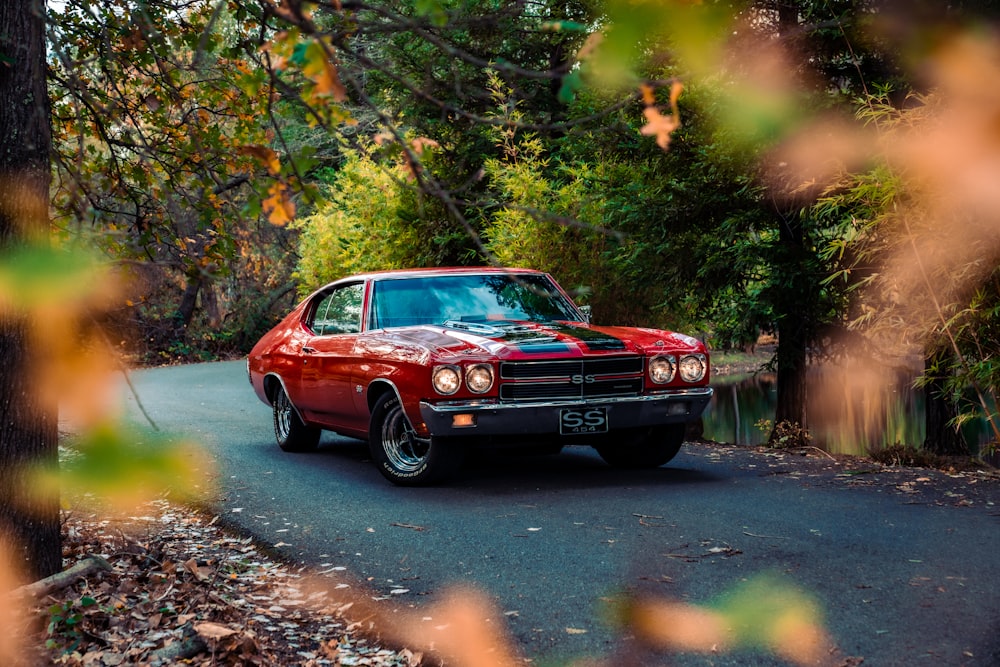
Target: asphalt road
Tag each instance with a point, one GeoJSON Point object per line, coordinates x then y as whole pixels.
{"type": "Point", "coordinates": [904, 564]}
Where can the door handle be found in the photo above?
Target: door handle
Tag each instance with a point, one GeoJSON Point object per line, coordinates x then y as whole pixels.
{"type": "Point", "coordinates": [308, 350]}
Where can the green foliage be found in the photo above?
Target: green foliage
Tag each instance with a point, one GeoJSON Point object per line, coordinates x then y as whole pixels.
{"type": "Point", "coordinates": [374, 219]}
{"type": "Point", "coordinates": [164, 163]}
{"type": "Point", "coordinates": [433, 10]}
{"type": "Point", "coordinates": [35, 276]}
{"type": "Point", "coordinates": [527, 226]}
{"type": "Point", "coordinates": [64, 623]}
{"type": "Point", "coordinates": [765, 611]}
{"type": "Point", "coordinates": [758, 609]}
{"type": "Point", "coordinates": [691, 222]}
{"type": "Point", "coordinates": [439, 87]}
{"type": "Point", "coordinates": [695, 32]}
{"type": "Point", "coordinates": [546, 224]}
{"type": "Point", "coordinates": [560, 217]}
{"type": "Point", "coordinates": [125, 466]}
{"type": "Point", "coordinates": [786, 435]}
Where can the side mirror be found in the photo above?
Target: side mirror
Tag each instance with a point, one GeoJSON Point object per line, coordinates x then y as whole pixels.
{"type": "Point", "coordinates": [586, 310]}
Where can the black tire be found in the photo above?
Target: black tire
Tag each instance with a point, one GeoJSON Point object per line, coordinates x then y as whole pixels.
{"type": "Point", "coordinates": [292, 435]}
{"type": "Point", "coordinates": [651, 448]}
{"type": "Point", "coordinates": [401, 456]}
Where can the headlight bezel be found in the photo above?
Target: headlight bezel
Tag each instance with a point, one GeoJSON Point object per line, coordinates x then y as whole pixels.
{"type": "Point", "coordinates": [446, 379]}
{"type": "Point", "coordinates": [692, 367]}
{"type": "Point", "coordinates": [655, 373]}
{"type": "Point", "coordinates": [474, 371]}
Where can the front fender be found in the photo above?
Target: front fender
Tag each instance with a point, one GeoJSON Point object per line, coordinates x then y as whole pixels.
{"type": "Point", "coordinates": [410, 401]}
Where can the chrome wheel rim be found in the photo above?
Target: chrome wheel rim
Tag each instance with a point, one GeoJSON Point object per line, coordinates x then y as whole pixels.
{"type": "Point", "coordinates": [404, 450]}
{"type": "Point", "coordinates": [282, 415]}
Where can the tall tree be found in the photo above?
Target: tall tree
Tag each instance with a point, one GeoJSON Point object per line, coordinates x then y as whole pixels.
{"type": "Point", "coordinates": [169, 153]}
{"type": "Point", "coordinates": [28, 423]}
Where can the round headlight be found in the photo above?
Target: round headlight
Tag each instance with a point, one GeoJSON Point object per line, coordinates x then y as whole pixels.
{"type": "Point", "coordinates": [479, 378]}
{"type": "Point", "coordinates": [661, 369]}
{"type": "Point", "coordinates": [692, 367]}
{"type": "Point", "coordinates": [446, 380]}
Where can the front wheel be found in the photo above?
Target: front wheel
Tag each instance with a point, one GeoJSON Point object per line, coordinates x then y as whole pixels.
{"type": "Point", "coordinates": [403, 457]}
{"type": "Point", "coordinates": [650, 449]}
{"type": "Point", "coordinates": [292, 435]}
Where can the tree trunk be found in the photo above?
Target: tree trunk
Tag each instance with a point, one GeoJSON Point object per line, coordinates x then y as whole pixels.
{"type": "Point", "coordinates": [791, 373]}
{"type": "Point", "coordinates": [189, 301]}
{"type": "Point", "coordinates": [29, 520]}
{"type": "Point", "coordinates": [941, 437]}
{"type": "Point", "coordinates": [793, 286]}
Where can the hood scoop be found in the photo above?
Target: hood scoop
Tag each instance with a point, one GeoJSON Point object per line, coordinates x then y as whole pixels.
{"type": "Point", "coordinates": [489, 330]}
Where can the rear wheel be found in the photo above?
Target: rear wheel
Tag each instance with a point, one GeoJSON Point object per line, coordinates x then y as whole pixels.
{"type": "Point", "coordinates": [650, 449]}
{"type": "Point", "coordinates": [403, 457]}
{"type": "Point", "coordinates": [292, 435]}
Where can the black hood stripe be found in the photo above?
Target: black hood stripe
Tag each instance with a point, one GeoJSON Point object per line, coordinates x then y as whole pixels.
{"type": "Point", "coordinates": [591, 339]}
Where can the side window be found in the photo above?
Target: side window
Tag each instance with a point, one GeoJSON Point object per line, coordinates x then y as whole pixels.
{"type": "Point", "coordinates": [339, 311]}
{"type": "Point", "coordinates": [318, 323]}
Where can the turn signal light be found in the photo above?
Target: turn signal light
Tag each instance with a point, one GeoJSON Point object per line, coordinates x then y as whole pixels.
{"type": "Point", "coordinates": [463, 420]}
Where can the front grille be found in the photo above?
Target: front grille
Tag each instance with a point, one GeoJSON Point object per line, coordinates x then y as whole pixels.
{"type": "Point", "coordinates": [571, 379]}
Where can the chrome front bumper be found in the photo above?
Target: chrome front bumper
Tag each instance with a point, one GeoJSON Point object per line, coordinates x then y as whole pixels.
{"type": "Point", "coordinates": [471, 418]}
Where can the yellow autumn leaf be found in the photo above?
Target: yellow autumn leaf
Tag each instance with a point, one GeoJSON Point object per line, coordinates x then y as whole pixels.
{"type": "Point", "coordinates": [266, 156]}
{"type": "Point", "coordinates": [279, 207]}
{"type": "Point", "coordinates": [321, 70]}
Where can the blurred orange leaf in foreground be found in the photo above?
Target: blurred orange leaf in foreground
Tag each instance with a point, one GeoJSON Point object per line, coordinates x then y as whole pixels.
{"type": "Point", "coordinates": [464, 628]}
{"type": "Point", "coordinates": [658, 125]}
{"type": "Point", "coordinates": [765, 611]}
{"type": "Point", "coordinates": [10, 612]}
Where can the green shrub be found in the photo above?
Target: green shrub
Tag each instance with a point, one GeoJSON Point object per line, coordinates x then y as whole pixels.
{"type": "Point", "coordinates": [359, 229]}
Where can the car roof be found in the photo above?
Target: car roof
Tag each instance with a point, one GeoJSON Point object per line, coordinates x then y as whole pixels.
{"type": "Point", "coordinates": [396, 274]}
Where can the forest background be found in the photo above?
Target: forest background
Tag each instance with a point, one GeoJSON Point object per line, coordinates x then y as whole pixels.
{"type": "Point", "coordinates": [823, 171]}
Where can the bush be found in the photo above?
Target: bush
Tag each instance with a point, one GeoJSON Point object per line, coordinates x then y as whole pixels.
{"type": "Point", "coordinates": [374, 220]}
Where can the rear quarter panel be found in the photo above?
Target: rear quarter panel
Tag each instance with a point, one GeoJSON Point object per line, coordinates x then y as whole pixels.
{"type": "Point", "coordinates": [278, 352]}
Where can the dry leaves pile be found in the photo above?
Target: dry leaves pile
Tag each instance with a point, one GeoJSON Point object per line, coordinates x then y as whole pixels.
{"type": "Point", "coordinates": [181, 589]}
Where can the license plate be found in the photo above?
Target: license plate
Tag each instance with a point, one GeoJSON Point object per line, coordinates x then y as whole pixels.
{"type": "Point", "coordinates": [584, 420]}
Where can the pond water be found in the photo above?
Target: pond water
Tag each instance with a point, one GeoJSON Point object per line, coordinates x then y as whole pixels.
{"type": "Point", "coordinates": [848, 418]}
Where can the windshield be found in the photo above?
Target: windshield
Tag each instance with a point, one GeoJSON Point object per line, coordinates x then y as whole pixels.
{"type": "Point", "coordinates": [468, 298]}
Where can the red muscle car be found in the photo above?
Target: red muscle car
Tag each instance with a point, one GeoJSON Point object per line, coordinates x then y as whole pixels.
{"type": "Point", "coordinates": [428, 363]}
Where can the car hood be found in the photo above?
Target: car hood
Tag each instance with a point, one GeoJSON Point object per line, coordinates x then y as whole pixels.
{"type": "Point", "coordinates": [516, 339]}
